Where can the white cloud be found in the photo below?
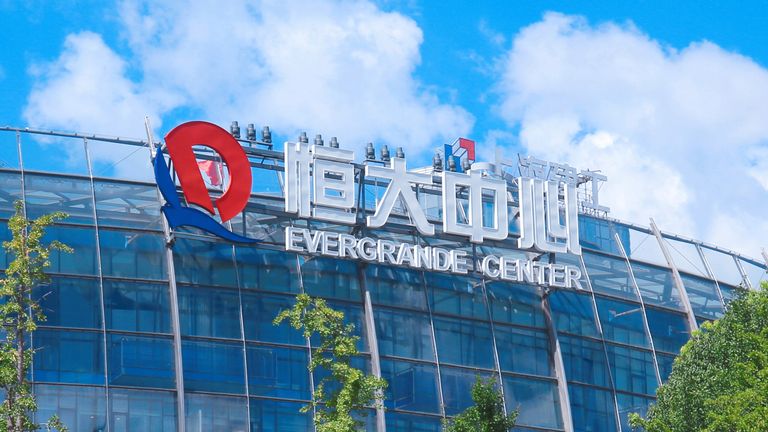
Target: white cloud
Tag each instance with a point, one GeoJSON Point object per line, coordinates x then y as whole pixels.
{"type": "Point", "coordinates": [337, 68]}
{"type": "Point", "coordinates": [681, 134]}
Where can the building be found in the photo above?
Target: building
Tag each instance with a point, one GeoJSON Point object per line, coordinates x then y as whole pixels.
{"type": "Point", "coordinates": [150, 330]}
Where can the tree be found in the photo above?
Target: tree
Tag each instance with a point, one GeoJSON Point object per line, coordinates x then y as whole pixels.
{"type": "Point", "coordinates": [20, 314]}
{"type": "Point", "coordinates": [347, 390]}
{"type": "Point", "coordinates": [719, 382]}
{"type": "Point", "coordinates": [487, 414]}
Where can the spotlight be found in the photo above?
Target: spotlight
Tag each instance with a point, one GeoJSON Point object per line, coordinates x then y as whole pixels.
{"type": "Point", "coordinates": [235, 130]}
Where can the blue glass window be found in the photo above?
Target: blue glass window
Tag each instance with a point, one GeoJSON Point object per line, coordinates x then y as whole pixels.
{"type": "Point", "coordinates": [401, 422]}
{"type": "Point", "coordinates": [213, 366]}
{"type": "Point", "coordinates": [609, 275]}
{"type": "Point", "coordinates": [137, 306]}
{"type": "Point", "coordinates": [141, 410]}
{"type": "Point", "coordinates": [276, 416]}
{"type": "Point", "coordinates": [573, 313]}
{"type": "Point", "coordinates": [411, 386]}
{"type": "Point", "coordinates": [68, 357]}
{"type": "Point", "coordinates": [537, 401]}
{"type": "Point", "coordinates": [669, 330]}
{"type": "Point", "coordinates": [353, 314]}
{"type": "Point", "coordinates": [204, 263]}
{"type": "Point", "coordinates": [657, 286]}
{"type": "Point", "coordinates": [457, 387]}
{"type": "Point", "coordinates": [278, 372]}
{"type": "Point", "coordinates": [633, 370]}
{"type": "Point", "coordinates": [456, 295]}
{"type": "Point", "coordinates": [523, 351]}
{"type": "Point", "coordinates": [515, 304]}
{"type": "Point", "coordinates": [206, 413]}
{"type": "Point", "coordinates": [404, 334]}
{"type": "Point", "coordinates": [702, 293]}
{"type": "Point", "coordinates": [395, 287]}
{"type": "Point", "coordinates": [629, 404]}
{"type": "Point", "coordinates": [584, 361]}
{"type": "Point", "coordinates": [592, 409]}
{"type": "Point", "coordinates": [69, 302]}
{"type": "Point", "coordinates": [127, 205]}
{"type": "Point", "coordinates": [598, 234]}
{"type": "Point", "coordinates": [205, 311]}
{"type": "Point", "coordinates": [665, 365]}
{"type": "Point", "coordinates": [132, 254]}
{"type": "Point", "coordinates": [139, 361]}
{"type": "Point", "coordinates": [47, 194]}
{"type": "Point", "coordinates": [331, 278]}
{"type": "Point", "coordinates": [10, 184]}
{"type": "Point", "coordinates": [622, 322]}
{"type": "Point", "coordinates": [80, 408]}
{"type": "Point", "coordinates": [258, 312]}
{"type": "Point", "coordinates": [464, 342]}
{"type": "Point", "coordinates": [82, 240]}
{"type": "Point", "coordinates": [267, 270]}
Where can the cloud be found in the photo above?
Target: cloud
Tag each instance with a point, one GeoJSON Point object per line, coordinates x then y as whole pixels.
{"type": "Point", "coordinates": [681, 134]}
{"type": "Point", "coordinates": [336, 68]}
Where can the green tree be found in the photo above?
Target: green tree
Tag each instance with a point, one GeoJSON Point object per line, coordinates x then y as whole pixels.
{"type": "Point", "coordinates": [20, 314]}
{"type": "Point", "coordinates": [346, 391]}
{"type": "Point", "coordinates": [719, 382]}
{"type": "Point", "coordinates": [487, 414]}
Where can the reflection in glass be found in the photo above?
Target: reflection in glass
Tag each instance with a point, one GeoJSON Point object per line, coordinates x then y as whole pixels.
{"type": "Point", "coordinates": [515, 304]}
{"type": "Point", "coordinates": [633, 370]}
{"type": "Point", "coordinates": [669, 330]}
{"type": "Point", "coordinates": [213, 366]}
{"type": "Point", "coordinates": [277, 416]}
{"type": "Point", "coordinates": [657, 286]}
{"type": "Point", "coordinates": [46, 194]}
{"type": "Point", "coordinates": [592, 409]}
{"type": "Point", "coordinates": [139, 361]}
{"type": "Point", "coordinates": [80, 239]}
{"type": "Point", "coordinates": [632, 404]}
{"type": "Point", "coordinates": [456, 295]}
{"type": "Point", "coordinates": [137, 306]}
{"type": "Point", "coordinates": [278, 372]}
{"type": "Point", "coordinates": [80, 408]}
{"type": "Point", "coordinates": [395, 287]}
{"type": "Point", "coordinates": [267, 270]}
{"type": "Point", "coordinates": [457, 387]}
{"type": "Point", "coordinates": [325, 277]}
{"type": "Point", "coordinates": [259, 310]}
{"type": "Point", "coordinates": [411, 386]}
{"type": "Point", "coordinates": [584, 361]}
{"type": "Point", "coordinates": [206, 413]}
{"type": "Point", "coordinates": [401, 422]}
{"type": "Point", "coordinates": [132, 254]}
{"type": "Point", "coordinates": [537, 401]}
{"type": "Point", "coordinates": [523, 351]}
{"type": "Point", "coordinates": [404, 334]}
{"type": "Point", "coordinates": [622, 322]}
{"type": "Point", "coordinates": [206, 311]}
{"type": "Point", "coordinates": [127, 205]}
{"type": "Point", "coordinates": [464, 342]}
{"type": "Point", "coordinates": [573, 313]}
{"type": "Point", "coordinates": [204, 263]}
{"type": "Point", "coordinates": [68, 357]}
{"type": "Point", "coordinates": [141, 410]}
{"type": "Point", "coordinates": [69, 302]}
{"type": "Point", "coordinates": [702, 293]}
{"type": "Point", "coordinates": [609, 275]}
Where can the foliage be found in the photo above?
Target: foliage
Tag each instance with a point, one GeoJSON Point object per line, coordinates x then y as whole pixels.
{"type": "Point", "coordinates": [487, 414]}
{"type": "Point", "coordinates": [720, 380]}
{"type": "Point", "coordinates": [346, 391]}
{"type": "Point", "coordinates": [20, 313]}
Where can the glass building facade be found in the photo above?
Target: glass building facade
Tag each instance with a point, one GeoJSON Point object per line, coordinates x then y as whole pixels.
{"type": "Point", "coordinates": [155, 331]}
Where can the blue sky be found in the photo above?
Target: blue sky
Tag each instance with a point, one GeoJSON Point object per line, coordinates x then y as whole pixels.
{"type": "Point", "coordinates": [668, 98]}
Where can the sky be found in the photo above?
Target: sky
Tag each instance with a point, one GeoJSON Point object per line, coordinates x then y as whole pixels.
{"type": "Point", "coordinates": [668, 99]}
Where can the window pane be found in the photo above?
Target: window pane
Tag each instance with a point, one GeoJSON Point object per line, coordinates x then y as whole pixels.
{"type": "Point", "coordinates": [633, 370]}
{"type": "Point", "coordinates": [258, 312]}
{"type": "Point", "coordinates": [457, 388]}
{"type": "Point", "coordinates": [138, 361]}
{"type": "Point", "coordinates": [127, 205]}
{"type": "Point", "coordinates": [120, 160]}
{"type": "Point", "coordinates": [68, 302]}
{"type": "Point", "coordinates": [10, 184]}
{"type": "Point", "coordinates": [68, 357]}
{"type": "Point", "coordinates": [657, 286]}
{"type": "Point", "coordinates": [404, 334]}
{"type": "Point", "coordinates": [137, 306]}
{"type": "Point", "coordinates": [592, 410]}
{"type": "Point", "coordinates": [278, 372]}
{"type": "Point", "coordinates": [79, 408]}
{"type": "Point", "coordinates": [206, 413]}
{"type": "Point", "coordinates": [275, 416]}
{"type": "Point", "coordinates": [132, 254]}
{"type": "Point", "coordinates": [82, 241]}
{"type": "Point", "coordinates": [723, 266]}
{"type": "Point", "coordinates": [48, 194]}
{"type": "Point", "coordinates": [755, 274]}
{"type": "Point", "coordinates": [515, 304]}
{"type": "Point", "coordinates": [686, 257]}
{"type": "Point", "coordinates": [213, 366]}
{"type": "Point", "coordinates": [609, 275]}
{"type": "Point", "coordinates": [622, 322]}
{"type": "Point", "coordinates": [331, 278]}
{"type": "Point", "coordinates": [632, 404]}
{"type": "Point", "coordinates": [204, 263]}
{"type": "Point", "coordinates": [573, 313]}
{"type": "Point", "coordinates": [584, 361]}
{"type": "Point", "coordinates": [537, 402]}
{"type": "Point", "coordinates": [395, 287]}
{"type": "Point", "coordinates": [411, 386]}
{"type": "Point", "coordinates": [702, 293]}
{"type": "Point", "coordinates": [62, 154]}
{"type": "Point", "coordinates": [206, 311]}
{"type": "Point", "coordinates": [665, 365]}
{"type": "Point", "coordinates": [456, 295]}
{"type": "Point", "coordinates": [598, 234]}
{"type": "Point", "coordinates": [141, 410]}
{"type": "Point", "coordinates": [669, 330]}
{"type": "Point", "coordinates": [464, 342]}
{"type": "Point", "coordinates": [267, 270]}
{"type": "Point", "coordinates": [523, 351]}
{"type": "Point", "coordinates": [644, 246]}
{"type": "Point", "coordinates": [401, 422]}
